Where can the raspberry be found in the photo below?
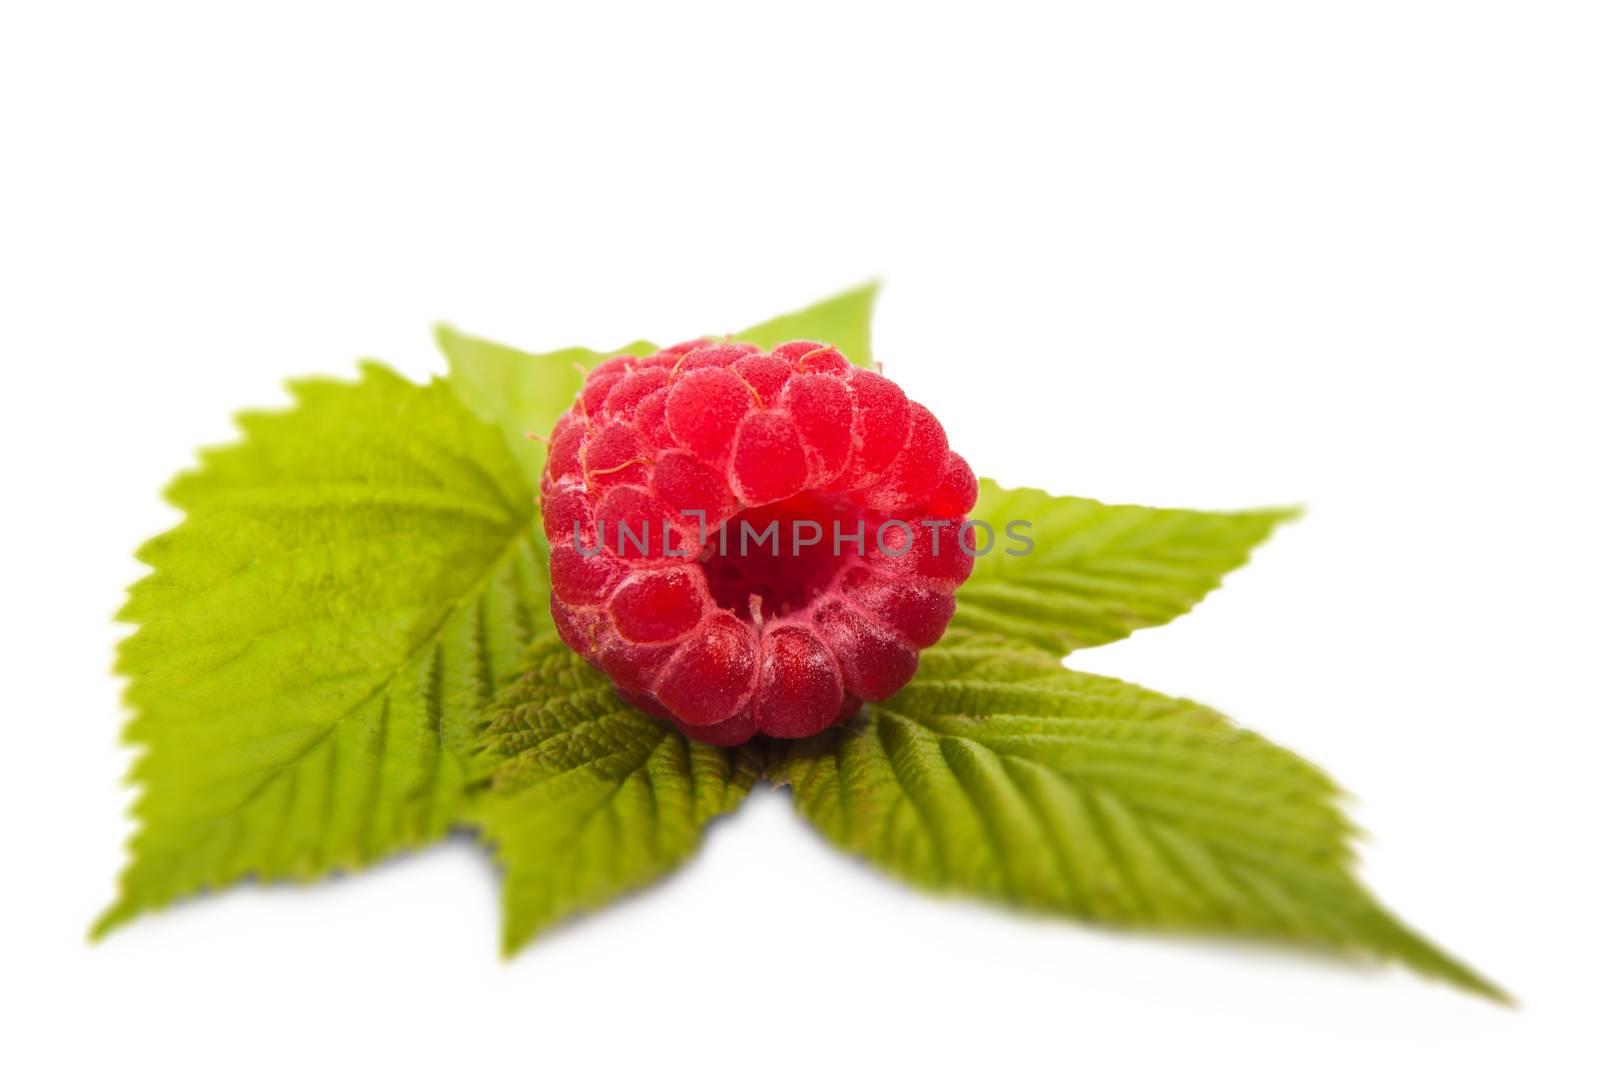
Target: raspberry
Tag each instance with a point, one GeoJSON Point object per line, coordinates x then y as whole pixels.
{"type": "Point", "coordinates": [749, 542]}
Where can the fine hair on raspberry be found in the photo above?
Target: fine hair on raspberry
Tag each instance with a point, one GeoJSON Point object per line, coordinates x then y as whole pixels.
{"type": "Point", "coordinates": [752, 542]}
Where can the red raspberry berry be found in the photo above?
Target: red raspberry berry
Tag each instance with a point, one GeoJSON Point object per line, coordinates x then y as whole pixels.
{"type": "Point", "coordinates": [751, 542]}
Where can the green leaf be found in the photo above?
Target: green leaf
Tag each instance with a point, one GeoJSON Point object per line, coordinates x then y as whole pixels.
{"type": "Point", "coordinates": [586, 798]}
{"type": "Point", "coordinates": [517, 391]}
{"type": "Point", "coordinates": [1097, 572]}
{"type": "Point", "coordinates": [844, 321]}
{"type": "Point", "coordinates": [999, 773]}
{"type": "Point", "coordinates": [351, 583]}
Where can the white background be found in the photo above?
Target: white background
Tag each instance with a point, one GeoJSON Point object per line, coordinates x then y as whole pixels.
{"type": "Point", "coordinates": [1201, 254]}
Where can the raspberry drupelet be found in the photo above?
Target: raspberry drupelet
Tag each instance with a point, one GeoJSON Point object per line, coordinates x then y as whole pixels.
{"type": "Point", "coordinates": [663, 488]}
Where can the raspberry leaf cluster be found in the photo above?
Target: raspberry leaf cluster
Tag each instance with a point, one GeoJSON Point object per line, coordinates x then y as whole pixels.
{"type": "Point", "coordinates": [345, 649]}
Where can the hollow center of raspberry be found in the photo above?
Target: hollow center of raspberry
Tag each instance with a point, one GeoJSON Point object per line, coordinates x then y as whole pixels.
{"type": "Point", "coordinates": [778, 558]}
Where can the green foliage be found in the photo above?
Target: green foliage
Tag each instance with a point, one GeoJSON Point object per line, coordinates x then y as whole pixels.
{"type": "Point", "coordinates": [999, 773]}
{"type": "Point", "coordinates": [1097, 572]}
{"type": "Point", "coordinates": [344, 649]}
{"type": "Point", "coordinates": [844, 321]}
{"type": "Point", "coordinates": [351, 582]}
{"type": "Point", "coordinates": [586, 797]}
